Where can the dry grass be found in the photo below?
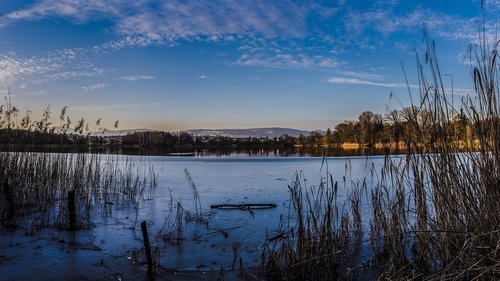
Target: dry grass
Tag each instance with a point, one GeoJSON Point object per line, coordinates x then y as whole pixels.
{"type": "Point", "coordinates": [435, 211]}
{"type": "Point", "coordinates": [318, 239]}
{"type": "Point", "coordinates": [172, 229]}
{"type": "Point", "coordinates": [35, 186]}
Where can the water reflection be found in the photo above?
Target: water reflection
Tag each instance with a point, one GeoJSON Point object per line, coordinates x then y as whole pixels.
{"type": "Point", "coordinates": [212, 152]}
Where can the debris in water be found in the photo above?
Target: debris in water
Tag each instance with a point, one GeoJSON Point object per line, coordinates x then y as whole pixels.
{"type": "Point", "coordinates": [243, 206]}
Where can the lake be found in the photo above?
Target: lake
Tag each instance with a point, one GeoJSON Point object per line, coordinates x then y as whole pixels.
{"type": "Point", "coordinates": [218, 180]}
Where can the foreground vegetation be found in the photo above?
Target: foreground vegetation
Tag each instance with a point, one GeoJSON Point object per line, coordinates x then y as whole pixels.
{"type": "Point", "coordinates": [435, 212]}
{"type": "Point", "coordinates": [35, 188]}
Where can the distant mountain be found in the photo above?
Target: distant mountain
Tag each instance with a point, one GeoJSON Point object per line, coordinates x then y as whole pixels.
{"type": "Point", "coordinates": [243, 133]}
{"type": "Point", "coordinates": [234, 133]}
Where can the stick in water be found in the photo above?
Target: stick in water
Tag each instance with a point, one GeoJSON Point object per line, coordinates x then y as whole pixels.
{"type": "Point", "coordinates": [147, 247]}
{"type": "Point", "coordinates": [71, 210]}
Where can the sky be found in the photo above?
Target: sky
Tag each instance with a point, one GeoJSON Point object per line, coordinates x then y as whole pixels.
{"type": "Point", "coordinates": [175, 65]}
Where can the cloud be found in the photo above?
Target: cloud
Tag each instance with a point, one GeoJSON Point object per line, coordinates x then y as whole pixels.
{"type": "Point", "coordinates": [150, 22]}
{"type": "Point", "coordinates": [203, 77]}
{"type": "Point", "coordinates": [153, 22]}
{"type": "Point", "coordinates": [11, 67]}
{"type": "Point", "coordinates": [287, 60]}
{"type": "Point", "coordinates": [137, 40]}
{"type": "Point", "coordinates": [96, 87]}
{"type": "Point", "coordinates": [76, 10]}
{"type": "Point", "coordinates": [256, 25]}
{"type": "Point", "coordinates": [492, 5]}
{"type": "Point", "coordinates": [356, 81]}
{"type": "Point", "coordinates": [361, 75]}
{"type": "Point", "coordinates": [55, 65]}
{"type": "Point", "coordinates": [214, 20]}
{"type": "Point", "coordinates": [92, 72]}
{"type": "Point", "coordinates": [137, 77]}
{"type": "Point", "coordinates": [402, 46]}
{"type": "Point", "coordinates": [389, 21]}
{"type": "Point", "coordinates": [143, 23]}
{"type": "Point", "coordinates": [184, 19]}
{"type": "Point", "coordinates": [35, 93]}
{"type": "Point", "coordinates": [461, 91]}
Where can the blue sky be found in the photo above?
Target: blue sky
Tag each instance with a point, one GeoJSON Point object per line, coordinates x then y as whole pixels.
{"type": "Point", "coordinates": [175, 65]}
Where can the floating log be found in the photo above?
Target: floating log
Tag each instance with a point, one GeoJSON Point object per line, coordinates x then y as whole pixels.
{"type": "Point", "coordinates": [182, 154]}
{"type": "Point", "coordinates": [243, 206]}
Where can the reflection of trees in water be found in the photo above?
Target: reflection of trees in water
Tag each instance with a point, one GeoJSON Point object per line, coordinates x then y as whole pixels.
{"type": "Point", "coordinates": [259, 152]}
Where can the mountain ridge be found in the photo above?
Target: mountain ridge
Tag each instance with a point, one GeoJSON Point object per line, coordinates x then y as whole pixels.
{"type": "Point", "coordinates": [271, 132]}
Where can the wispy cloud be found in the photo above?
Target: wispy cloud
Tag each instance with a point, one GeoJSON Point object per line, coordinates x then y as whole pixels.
{"type": "Point", "coordinates": [136, 40]}
{"type": "Point", "coordinates": [95, 87]}
{"type": "Point", "coordinates": [203, 77]}
{"type": "Point", "coordinates": [214, 20]}
{"type": "Point", "coordinates": [55, 65]}
{"type": "Point", "coordinates": [36, 93]}
{"type": "Point", "coordinates": [77, 10]}
{"type": "Point", "coordinates": [389, 21]}
{"type": "Point", "coordinates": [137, 77]}
{"type": "Point", "coordinates": [91, 72]}
{"type": "Point", "coordinates": [356, 81]}
{"type": "Point", "coordinates": [172, 20]}
{"type": "Point", "coordinates": [350, 77]}
{"type": "Point", "coordinates": [12, 67]}
{"type": "Point", "coordinates": [288, 60]}
{"type": "Point", "coordinates": [361, 75]}
{"type": "Point", "coordinates": [157, 23]}
{"type": "Point", "coordinates": [493, 5]}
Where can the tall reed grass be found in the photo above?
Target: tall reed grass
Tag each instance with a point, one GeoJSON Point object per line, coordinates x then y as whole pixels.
{"type": "Point", "coordinates": [435, 211]}
{"type": "Point", "coordinates": [319, 238]}
{"type": "Point", "coordinates": [35, 186]}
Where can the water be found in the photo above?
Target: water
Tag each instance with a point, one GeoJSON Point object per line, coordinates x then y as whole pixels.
{"type": "Point", "coordinates": [219, 180]}
{"type": "Point", "coordinates": [205, 152]}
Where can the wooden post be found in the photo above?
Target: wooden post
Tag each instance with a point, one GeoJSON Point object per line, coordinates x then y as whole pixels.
{"type": "Point", "coordinates": [147, 247]}
{"type": "Point", "coordinates": [72, 210]}
{"type": "Point", "coordinates": [11, 207]}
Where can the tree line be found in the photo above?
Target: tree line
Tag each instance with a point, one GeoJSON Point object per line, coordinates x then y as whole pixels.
{"type": "Point", "coordinates": [401, 126]}
{"type": "Point", "coordinates": [368, 129]}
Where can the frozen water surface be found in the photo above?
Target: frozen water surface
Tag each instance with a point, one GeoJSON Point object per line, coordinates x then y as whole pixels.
{"type": "Point", "coordinates": [219, 180]}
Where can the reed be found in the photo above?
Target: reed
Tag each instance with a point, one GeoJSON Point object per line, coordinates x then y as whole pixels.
{"type": "Point", "coordinates": [317, 239]}
{"type": "Point", "coordinates": [435, 210]}
{"type": "Point", "coordinates": [172, 229]}
{"type": "Point", "coordinates": [36, 185]}
{"type": "Point", "coordinates": [200, 216]}
{"type": "Point", "coordinates": [436, 213]}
